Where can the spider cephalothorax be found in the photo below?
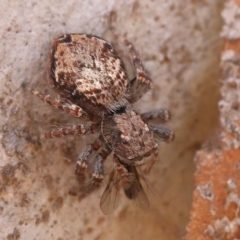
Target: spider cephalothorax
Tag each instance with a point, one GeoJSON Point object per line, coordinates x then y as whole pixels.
{"type": "Point", "coordinates": [91, 80]}
{"type": "Point", "coordinates": [128, 136]}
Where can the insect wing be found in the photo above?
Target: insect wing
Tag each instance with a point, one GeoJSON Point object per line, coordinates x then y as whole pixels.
{"type": "Point", "coordinates": [110, 197]}
{"type": "Point", "coordinates": [140, 199]}
{"type": "Point", "coordinates": [136, 193]}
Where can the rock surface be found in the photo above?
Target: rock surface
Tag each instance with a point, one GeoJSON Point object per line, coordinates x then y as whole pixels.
{"type": "Point", "coordinates": [180, 46]}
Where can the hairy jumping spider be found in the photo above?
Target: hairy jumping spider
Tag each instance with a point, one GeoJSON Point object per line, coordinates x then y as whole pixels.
{"type": "Point", "coordinates": [91, 80]}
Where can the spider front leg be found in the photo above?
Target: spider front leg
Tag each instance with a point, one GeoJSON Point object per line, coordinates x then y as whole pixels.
{"type": "Point", "coordinates": [72, 109]}
{"type": "Point", "coordinates": [97, 168]}
{"type": "Point", "coordinates": [163, 133]}
{"type": "Point", "coordinates": [83, 160]}
{"type": "Point", "coordinates": [142, 82]}
{"type": "Point", "coordinates": [163, 115]}
{"type": "Point", "coordinates": [97, 173]}
{"type": "Point", "coordinates": [160, 114]}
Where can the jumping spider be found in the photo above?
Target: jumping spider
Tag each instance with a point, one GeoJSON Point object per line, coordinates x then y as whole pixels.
{"type": "Point", "coordinates": [91, 80]}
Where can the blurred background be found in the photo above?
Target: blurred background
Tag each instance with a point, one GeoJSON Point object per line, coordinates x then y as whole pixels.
{"type": "Point", "coordinates": [180, 45]}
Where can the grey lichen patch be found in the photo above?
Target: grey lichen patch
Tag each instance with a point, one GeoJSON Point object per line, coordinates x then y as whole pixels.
{"type": "Point", "coordinates": [230, 104]}
{"type": "Point", "coordinates": [231, 185]}
{"type": "Point", "coordinates": [209, 231]}
{"type": "Point", "coordinates": [213, 210]}
{"type": "Point", "coordinates": [223, 227]}
{"type": "Point", "coordinates": [220, 228]}
{"type": "Point", "coordinates": [206, 191]}
{"type": "Point", "coordinates": [231, 15]}
{"type": "Point", "coordinates": [17, 140]}
{"type": "Point", "coordinates": [233, 196]}
{"type": "Point", "coordinates": [10, 141]}
{"type": "Point", "coordinates": [227, 226]}
{"type": "Point", "coordinates": [184, 41]}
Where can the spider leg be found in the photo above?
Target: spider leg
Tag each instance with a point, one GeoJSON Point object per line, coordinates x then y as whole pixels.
{"type": "Point", "coordinates": [84, 157]}
{"type": "Point", "coordinates": [83, 161]}
{"type": "Point", "coordinates": [97, 168]}
{"type": "Point", "coordinates": [162, 114]}
{"type": "Point", "coordinates": [72, 109]}
{"type": "Point", "coordinates": [97, 176]}
{"type": "Point", "coordinates": [79, 129]}
{"type": "Point", "coordinates": [152, 161]}
{"type": "Point", "coordinates": [163, 133]}
{"type": "Point", "coordinates": [142, 82]}
{"type": "Point", "coordinates": [97, 173]}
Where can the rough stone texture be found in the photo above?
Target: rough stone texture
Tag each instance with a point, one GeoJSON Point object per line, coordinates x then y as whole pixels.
{"type": "Point", "coordinates": [180, 45]}
{"type": "Point", "coordinates": [215, 210]}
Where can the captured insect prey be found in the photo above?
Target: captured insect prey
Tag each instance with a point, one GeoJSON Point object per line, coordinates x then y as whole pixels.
{"type": "Point", "coordinates": [91, 82]}
{"type": "Point", "coordinates": [126, 177]}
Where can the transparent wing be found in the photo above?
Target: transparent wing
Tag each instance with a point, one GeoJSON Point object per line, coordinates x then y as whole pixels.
{"type": "Point", "coordinates": [141, 200]}
{"type": "Point", "coordinates": [148, 184]}
{"type": "Point", "coordinates": [110, 196]}
{"type": "Point", "coordinates": [135, 192]}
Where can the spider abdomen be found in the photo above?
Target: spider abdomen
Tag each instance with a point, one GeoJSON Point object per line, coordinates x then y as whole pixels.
{"type": "Point", "coordinates": [89, 69]}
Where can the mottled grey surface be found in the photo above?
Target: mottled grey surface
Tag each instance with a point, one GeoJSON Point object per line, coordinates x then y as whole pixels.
{"type": "Point", "coordinates": [180, 45]}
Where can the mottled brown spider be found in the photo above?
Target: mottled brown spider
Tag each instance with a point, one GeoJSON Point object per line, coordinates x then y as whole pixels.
{"type": "Point", "coordinates": [91, 80]}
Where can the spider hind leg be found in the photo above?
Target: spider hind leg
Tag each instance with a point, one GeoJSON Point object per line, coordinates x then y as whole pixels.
{"type": "Point", "coordinates": [142, 82]}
